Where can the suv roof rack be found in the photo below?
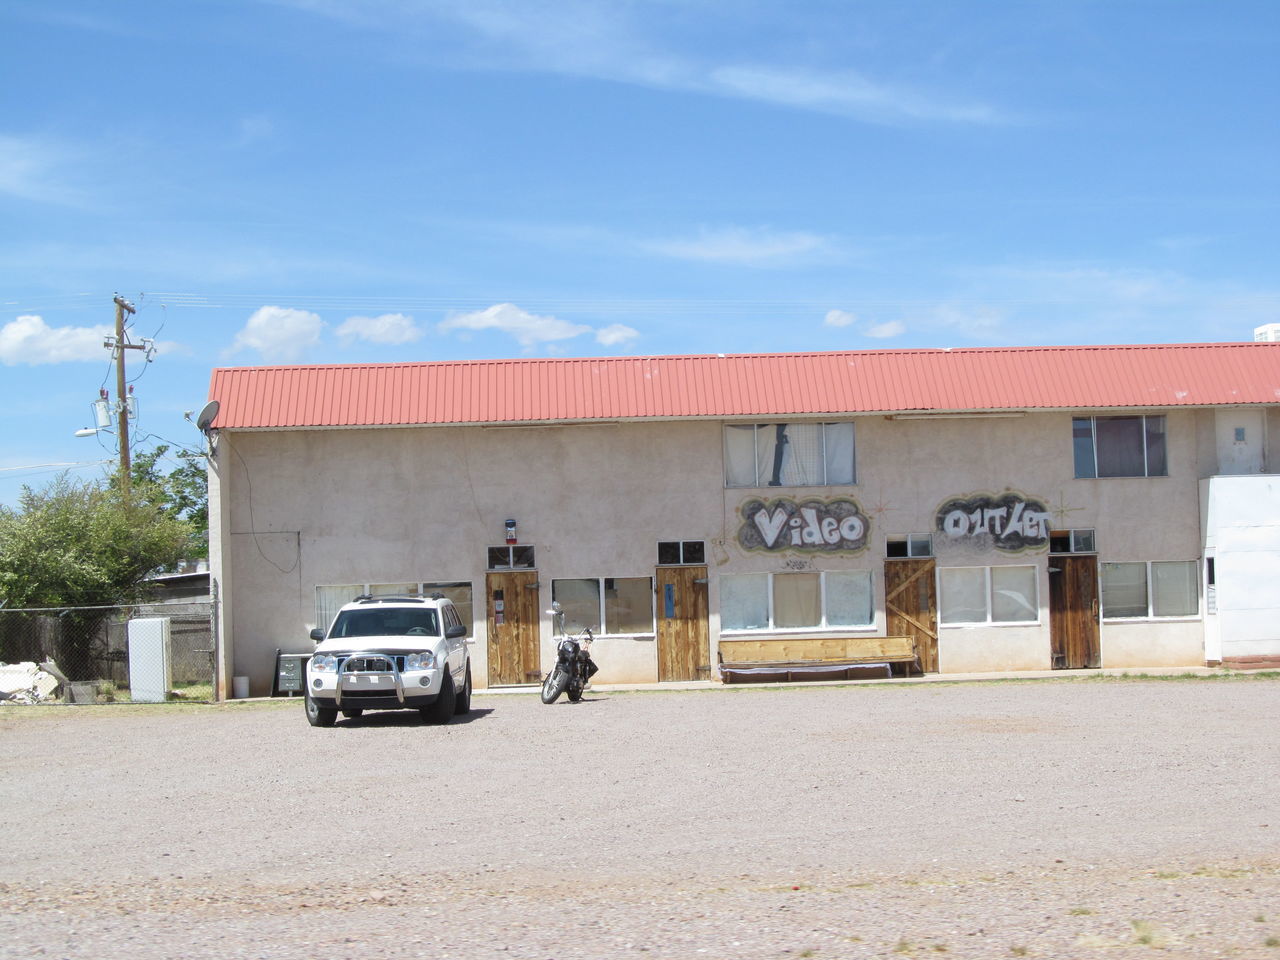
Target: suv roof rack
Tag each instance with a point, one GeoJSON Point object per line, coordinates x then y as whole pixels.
{"type": "Point", "coordinates": [366, 598]}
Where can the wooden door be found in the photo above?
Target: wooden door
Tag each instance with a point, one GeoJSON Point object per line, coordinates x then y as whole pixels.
{"type": "Point", "coordinates": [512, 599]}
{"type": "Point", "coordinates": [684, 649]}
{"type": "Point", "coordinates": [1073, 612]}
{"type": "Point", "coordinates": [911, 606]}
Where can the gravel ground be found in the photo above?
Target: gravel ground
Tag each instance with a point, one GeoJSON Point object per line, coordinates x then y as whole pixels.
{"type": "Point", "coordinates": [1045, 819]}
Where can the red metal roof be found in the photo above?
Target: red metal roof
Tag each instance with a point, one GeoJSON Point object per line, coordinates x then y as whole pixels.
{"type": "Point", "coordinates": [747, 385]}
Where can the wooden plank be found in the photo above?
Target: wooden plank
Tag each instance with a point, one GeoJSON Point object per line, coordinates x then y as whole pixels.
{"type": "Point", "coordinates": [818, 649]}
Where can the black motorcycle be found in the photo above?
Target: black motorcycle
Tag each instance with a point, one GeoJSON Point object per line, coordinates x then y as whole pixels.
{"type": "Point", "coordinates": [573, 668]}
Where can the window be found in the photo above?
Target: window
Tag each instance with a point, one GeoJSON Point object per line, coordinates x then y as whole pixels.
{"type": "Point", "coordinates": [988, 595]}
{"type": "Point", "coordinates": [510, 558]}
{"type": "Point", "coordinates": [796, 601]}
{"type": "Point", "coordinates": [386, 623]}
{"type": "Point", "coordinates": [1143, 590]}
{"type": "Point", "coordinates": [1071, 541]}
{"type": "Point", "coordinates": [606, 605]}
{"type": "Point", "coordinates": [788, 454]}
{"type": "Point", "coordinates": [329, 599]}
{"type": "Point", "coordinates": [681, 552]}
{"type": "Point", "coordinates": [1119, 446]}
{"type": "Point", "coordinates": [913, 545]}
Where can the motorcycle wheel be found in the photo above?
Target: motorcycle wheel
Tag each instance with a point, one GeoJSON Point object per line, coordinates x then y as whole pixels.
{"type": "Point", "coordinates": [554, 685]}
{"type": "Point", "coordinates": [575, 691]}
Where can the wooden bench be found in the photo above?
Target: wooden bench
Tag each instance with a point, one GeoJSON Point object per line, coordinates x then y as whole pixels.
{"type": "Point", "coordinates": [815, 658]}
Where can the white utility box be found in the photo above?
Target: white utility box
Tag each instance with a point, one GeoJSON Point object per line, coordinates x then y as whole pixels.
{"type": "Point", "coordinates": [150, 669]}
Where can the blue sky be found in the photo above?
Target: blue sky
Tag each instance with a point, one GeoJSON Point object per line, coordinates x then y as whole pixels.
{"type": "Point", "coordinates": [377, 180]}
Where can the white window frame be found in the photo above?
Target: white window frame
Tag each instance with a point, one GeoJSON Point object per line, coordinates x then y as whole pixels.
{"type": "Point", "coordinates": [825, 626]}
{"type": "Point", "coordinates": [604, 626]}
{"type": "Point", "coordinates": [1146, 459]}
{"type": "Point", "coordinates": [763, 482]}
{"type": "Point", "coordinates": [990, 599]}
{"type": "Point", "coordinates": [1151, 615]}
{"type": "Point", "coordinates": [913, 541]}
{"type": "Point", "coordinates": [1080, 540]}
{"type": "Point", "coordinates": [511, 549]}
{"type": "Point", "coordinates": [682, 562]}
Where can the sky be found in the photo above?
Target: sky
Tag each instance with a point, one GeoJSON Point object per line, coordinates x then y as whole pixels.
{"type": "Point", "coordinates": [330, 181]}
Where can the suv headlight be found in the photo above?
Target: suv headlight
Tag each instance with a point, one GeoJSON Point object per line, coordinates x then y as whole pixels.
{"type": "Point", "coordinates": [420, 661]}
{"type": "Point", "coordinates": [324, 663]}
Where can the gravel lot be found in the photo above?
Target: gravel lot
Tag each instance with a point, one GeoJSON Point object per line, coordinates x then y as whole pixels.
{"type": "Point", "coordinates": [1046, 819]}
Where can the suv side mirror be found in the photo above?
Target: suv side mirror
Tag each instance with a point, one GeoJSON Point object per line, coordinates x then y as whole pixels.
{"type": "Point", "coordinates": [455, 631]}
{"type": "Point", "coordinates": [317, 634]}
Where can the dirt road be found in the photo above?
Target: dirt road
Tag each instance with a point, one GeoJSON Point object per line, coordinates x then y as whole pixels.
{"type": "Point", "coordinates": [1047, 819]}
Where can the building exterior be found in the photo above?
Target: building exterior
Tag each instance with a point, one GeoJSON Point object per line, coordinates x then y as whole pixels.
{"type": "Point", "coordinates": [1013, 509]}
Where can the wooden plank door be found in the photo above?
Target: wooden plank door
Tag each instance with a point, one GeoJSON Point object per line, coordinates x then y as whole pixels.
{"type": "Point", "coordinates": [684, 649]}
{"type": "Point", "coordinates": [1073, 612]}
{"type": "Point", "coordinates": [512, 599]}
{"type": "Point", "coordinates": [911, 606]}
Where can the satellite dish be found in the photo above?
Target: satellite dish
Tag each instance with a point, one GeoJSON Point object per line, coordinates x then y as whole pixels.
{"type": "Point", "coordinates": [207, 415]}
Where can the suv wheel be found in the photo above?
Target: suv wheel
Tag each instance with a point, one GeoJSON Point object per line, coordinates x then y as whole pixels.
{"type": "Point", "coordinates": [319, 716]}
{"type": "Point", "coordinates": [442, 710]}
{"type": "Point", "coordinates": [463, 705]}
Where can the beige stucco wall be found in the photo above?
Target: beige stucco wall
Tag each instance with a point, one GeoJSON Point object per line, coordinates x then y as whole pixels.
{"type": "Point", "coordinates": [297, 509]}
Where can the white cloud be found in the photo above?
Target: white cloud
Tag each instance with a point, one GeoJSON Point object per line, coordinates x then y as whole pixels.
{"type": "Point", "coordinates": [279, 333]}
{"type": "Point", "coordinates": [616, 333]}
{"type": "Point", "coordinates": [839, 318]}
{"type": "Point", "coordinates": [973, 320]}
{"type": "Point", "coordinates": [528, 328]}
{"type": "Point", "coordinates": [883, 331]}
{"type": "Point", "coordinates": [845, 93]}
{"type": "Point", "coordinates": [29, 340]}
{"type": "Point", "coordinates": [610, 41]}
{"type": "Point", "coordinates": [254, 129]}
{"type": "Point", "coordinates": [750, 247]}
{"type": "Point", "coordinates": [387, 328]}
{"type": "Point", "coordinates": [28, 170]}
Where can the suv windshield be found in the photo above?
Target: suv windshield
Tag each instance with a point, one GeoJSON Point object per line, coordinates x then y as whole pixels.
{"type": "Point", "coordinates": [386, 623]}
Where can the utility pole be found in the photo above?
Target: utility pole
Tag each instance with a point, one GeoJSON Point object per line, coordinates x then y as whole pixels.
{"type": "Point", "coordinates": [118, 349]}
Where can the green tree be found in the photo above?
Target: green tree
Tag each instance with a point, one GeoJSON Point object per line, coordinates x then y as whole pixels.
{"type": "Point", "coordinates": [76, 544]}
{"type": "Point", "coordinates": [182, 492]}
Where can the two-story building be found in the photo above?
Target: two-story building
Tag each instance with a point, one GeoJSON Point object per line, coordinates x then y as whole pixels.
{"type": "Point", "coordinates": [1013, 508]}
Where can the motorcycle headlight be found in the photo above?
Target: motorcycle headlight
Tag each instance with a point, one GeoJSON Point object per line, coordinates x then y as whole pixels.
{"type": "Point", "coordinates": [324, 663]}
{"type": "Point", "coordinates": [420, 661]}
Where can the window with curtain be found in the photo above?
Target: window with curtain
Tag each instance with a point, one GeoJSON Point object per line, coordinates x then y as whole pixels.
{"type": "Point", "coordinates": [796, 601]}
{"type": "Point", "coordinates": [789, 454]}
{"type": "Point", "coordinates": [988, 595]}
{"type": "Point", "coordinates": [1119, 446]}
{"type": "Point", "coordinates": [1142, 589]}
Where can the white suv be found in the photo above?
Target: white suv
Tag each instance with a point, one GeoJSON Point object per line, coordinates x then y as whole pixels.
{"type": "Point", "coordinates": [390, 653]}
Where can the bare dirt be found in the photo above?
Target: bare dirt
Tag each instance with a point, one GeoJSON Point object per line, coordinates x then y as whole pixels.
{"type": "Point", "coordinates": [1041, 819]}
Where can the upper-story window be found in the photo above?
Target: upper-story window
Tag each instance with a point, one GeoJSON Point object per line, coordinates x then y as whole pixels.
{"type": "Point", "coordinates": [788, 454]}
{"type": "Point", "coordinates": [1119, 446]}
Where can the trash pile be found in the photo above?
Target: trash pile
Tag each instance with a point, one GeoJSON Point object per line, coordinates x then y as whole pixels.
{"type": "Point", "coordinates": [30, 682]}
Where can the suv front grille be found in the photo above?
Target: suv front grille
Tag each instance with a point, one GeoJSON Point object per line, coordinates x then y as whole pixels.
{"type": "Point", "coordinates": [369, 664]}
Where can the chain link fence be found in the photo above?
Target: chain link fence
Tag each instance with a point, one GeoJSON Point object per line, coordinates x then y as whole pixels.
{"type": "Point", "coordinates": [142, 652]}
